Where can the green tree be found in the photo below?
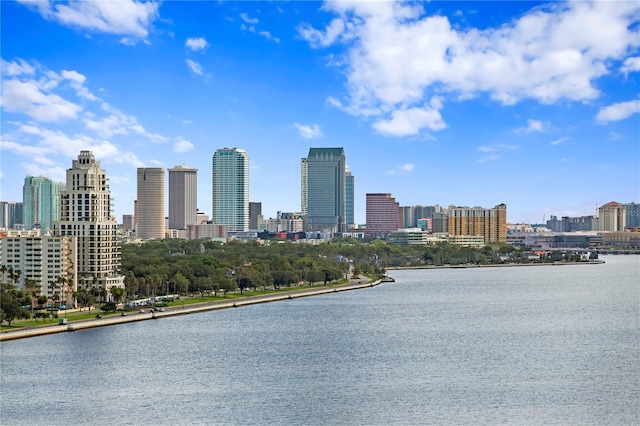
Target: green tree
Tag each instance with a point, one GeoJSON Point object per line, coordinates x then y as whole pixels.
{"type": "Point", "coordinates": [180, 283]}
{"type": "Point", "coordinates": [10, 308]}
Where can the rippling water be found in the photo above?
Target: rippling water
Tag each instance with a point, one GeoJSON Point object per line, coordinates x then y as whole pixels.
{"type": "Point", "coordinates": [522, 345]}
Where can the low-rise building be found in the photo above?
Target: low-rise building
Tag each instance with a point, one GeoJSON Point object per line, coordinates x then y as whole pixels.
{"type": "Point", "coordinates": [207, 230]}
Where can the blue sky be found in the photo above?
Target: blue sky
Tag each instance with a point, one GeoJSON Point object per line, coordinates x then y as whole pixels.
{"type": "Point", "coordinates": [535, 105]}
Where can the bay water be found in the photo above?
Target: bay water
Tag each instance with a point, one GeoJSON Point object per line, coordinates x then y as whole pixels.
{"type": "Point", "coordinates": [512, 345]}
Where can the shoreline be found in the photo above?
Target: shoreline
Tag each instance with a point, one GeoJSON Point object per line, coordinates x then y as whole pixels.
{"type": "Point", "coordinates": [493, 265]}
{"type": "Point", "coordinates": [43, 330]}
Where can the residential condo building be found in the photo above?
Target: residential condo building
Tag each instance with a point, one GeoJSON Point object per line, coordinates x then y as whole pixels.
{"type": "Point", "coordinates": [230, 189]}
{"type": "Point", "coordinates": [51, 262]}
{"type": "Point", "coordinates": [41, 202]}
{"type": "Point", "coordinates": [11, 214]}
{"type": "Point", "coordinates": [488, 223]}
{"type": "Point", "coordinates": [86, 215]}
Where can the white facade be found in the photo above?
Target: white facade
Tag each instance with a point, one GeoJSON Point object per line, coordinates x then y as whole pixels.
{"type": "Point", "coordinates": [43, 260]}
{"type": "Point", "coordinates": [230, 189]}
{"type": "Point", "coordinates": [150, 222]}
{"type": "Point", "coordinates": [86, 214]}
{"type": "Point", "coordinates": [183, 197]}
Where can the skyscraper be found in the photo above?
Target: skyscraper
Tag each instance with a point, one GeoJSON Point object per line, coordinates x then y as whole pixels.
{"type": "Point", "coordinates": [150, 204]}
{"type": "Point", "coordinates": [255, 214]}
{"type": "Point", "coordinates": [41, 202]}
{"type": "Point", "coordinates": [183, 203]}
{"type": "Point", "coordinates": [490, 223]}
{"type": "Point", "coordinates": [324, 190]}
{"type": "Point", "coordinates": [349, 199]}
{"type": "Point", "coordinates": [86, 214]}
{"type": "Point", "coordinates": [230, 189]}
{"type": "Point", "coordinates": [383, 215]}
{"type": "Point", "coordinates": [10, 214]}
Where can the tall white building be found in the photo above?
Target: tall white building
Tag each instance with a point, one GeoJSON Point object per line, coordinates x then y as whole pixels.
{"type": "Point", "coordinates": [183, 203]}
{"type": "Point", "coordinates": [230, 189]}
{"type": "Point", "coordinates": [150, 204]}
{"type": "Point", "coordinates": [86, 214]}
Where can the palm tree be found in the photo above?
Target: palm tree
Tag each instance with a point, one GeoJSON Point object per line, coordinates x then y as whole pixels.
{"type": "Point", "coordinates": [3, 269]}
{"type": "Point", "coordinates": [53, 285]}
{"type": "Point", "coordinates": [117, 293]}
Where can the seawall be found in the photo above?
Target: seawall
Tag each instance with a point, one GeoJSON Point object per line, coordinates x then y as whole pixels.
{"type": "Point", "coordinates": [180, 310]}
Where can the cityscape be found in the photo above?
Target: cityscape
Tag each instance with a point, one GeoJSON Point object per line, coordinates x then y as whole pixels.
{"type": "Point", "coordinates": [319, 212]}
{"type": "Point", "coordinates": [73, 220]}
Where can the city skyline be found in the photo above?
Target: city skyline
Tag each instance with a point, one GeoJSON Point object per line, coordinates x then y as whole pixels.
{"type": "Point", "coordinates": [530, 104]}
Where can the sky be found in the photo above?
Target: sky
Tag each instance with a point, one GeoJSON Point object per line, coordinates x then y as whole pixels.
{"type": "Point", "coordinates": [531, 104]}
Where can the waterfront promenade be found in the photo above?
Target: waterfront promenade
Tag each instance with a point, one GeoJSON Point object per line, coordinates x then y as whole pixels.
{"type": "Point", "coordinates": [42, 330]}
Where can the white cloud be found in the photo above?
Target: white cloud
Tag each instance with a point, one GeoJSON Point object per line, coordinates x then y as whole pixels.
{"type": "Point", "coordinates": [560, 141]}
{"type": "Point", "coordinates": [533, 126]}
{"type": "Point", "coordinates": [308, 131]}
{"type": "Point", "coordinates": [618, 111]}
{"type": "Point", "coordinates": [196, 44]}
{"type": "Point", "coordinates": [631, 65]}
{"type": "Point", "coordinates": [406, 167]}
{"type": "Point", "coordinates": [55, 142]}
{"type": "Point", "coordinates": [29, 91]}
{"type": "Point", "coordinates": [26, 97]}
{"type": "Point", "coordinates": [195, 67]}
{"type": "Point", "coordinates": [410, 122]}
{"type": "Point", "coordinates": [130, 19]}
{"type": "Point", "coordinates": [248, 20]}
{"type": "Point", "coordinates": [398, 56]}
{"type": "Point", "coordinates": [16, 68]}
{"type": "Point", "coordinates": [268, 36]}
{"type": "Point", "coordinates": [324, 38]}
{"type": "Point", "coordinates": [182, 145]}
{"type": "Point", "coordinates": [118, 123]}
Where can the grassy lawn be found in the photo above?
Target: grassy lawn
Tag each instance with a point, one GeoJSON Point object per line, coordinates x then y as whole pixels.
{"type": "Point", "coordinates": [183, 301]}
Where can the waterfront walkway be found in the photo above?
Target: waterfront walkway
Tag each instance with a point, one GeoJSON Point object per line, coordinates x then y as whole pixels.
{"type": "Point", "coordinates": [183, 310]}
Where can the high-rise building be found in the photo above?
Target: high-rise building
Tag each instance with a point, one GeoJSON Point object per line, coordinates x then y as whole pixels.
{"type": "Point", "coordinates": [349, 199]}
{"type": "Point", "coordinates": [128, 221]}
{"type": "Point", "coordinates": [255, 215]}
{"type": "Point", "coordinates": [440, 222]}
{"type": "Point", "coordinates": [41, 202]}
{"type": "Point", "coordinates": [44, 260]}
{"type": "Point", "coordinates": [611, 217]}
{"type": "Point", "coordinates": [230, 189]}
{"type": "Point", "coordinates": [489, 223]}
{"type": "Point", "coordinates": [304, 187]}
{"type": "Point", "coordinates": [150, 204]}
{"type": "Point", "coordinates": [183, 191]}
{"type": "Point", "coordinates": [383, 215]}
{"type": "Point", "coordinates": [324, 190]}
{"type": "Point", "coordinates": [411, 214]}
{"type": "Point", "coordinates": [10, 214]}
{"type": "Point", "coordinates": [86, 215]}
{"type": "Point", "coordinates": [632, 215]}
